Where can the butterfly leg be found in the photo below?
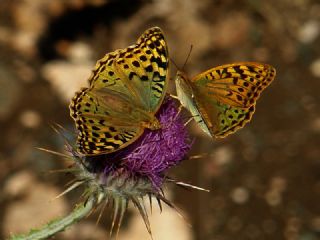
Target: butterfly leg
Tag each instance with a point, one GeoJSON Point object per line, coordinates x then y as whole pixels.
{"type": "Point", "coordinates": [179, 109]}
{"type": "Point", "coordinates": [187, 122]}
{"type": "Point", "coordinates": [178, 113]}
{"type": "Point", "coordinates": [190, 119]}
{"type": "Point", "coordinates": [174, 96]}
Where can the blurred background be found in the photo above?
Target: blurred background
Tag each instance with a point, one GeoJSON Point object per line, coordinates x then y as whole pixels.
{"type": "Point", "coordinates": [264, 180]}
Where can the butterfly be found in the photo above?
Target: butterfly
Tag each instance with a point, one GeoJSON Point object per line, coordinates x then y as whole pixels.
{"type": "Point", "coordinates": [222, 99]}
{"type": "Point", "coordinates": [126, 89]}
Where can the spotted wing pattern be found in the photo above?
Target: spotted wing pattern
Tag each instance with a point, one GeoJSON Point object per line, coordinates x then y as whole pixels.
{"type": "Point", "coordinates": [102, 125]}
{"type": "Point", "coordinates": [139, 70]}
{"type": "Point", "coordinates": [125, 91]}
{"type": "Point", "coordinates": [238, 84]}
{"type": "Point", "coordinates": [223, 98]}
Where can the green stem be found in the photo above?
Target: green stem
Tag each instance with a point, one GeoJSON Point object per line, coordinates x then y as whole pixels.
{"type": "Point", "coordinates": [61, 224]}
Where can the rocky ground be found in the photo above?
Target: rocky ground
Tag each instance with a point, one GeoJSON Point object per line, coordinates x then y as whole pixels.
{"type": "Point", "coordinates": [264, 180]}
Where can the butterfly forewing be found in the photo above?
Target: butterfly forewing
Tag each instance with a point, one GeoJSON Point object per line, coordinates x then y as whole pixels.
{"type": "Point", "coordinates": [154, 50]}
{"type": "Point", "coordinates": [139, 70]}
{"type": "Point", "coordinates": [126, 89]}
{"type": "Point", "coordinates": [238, 84]}
{"type": "Point", "coordinates": [103, 73]}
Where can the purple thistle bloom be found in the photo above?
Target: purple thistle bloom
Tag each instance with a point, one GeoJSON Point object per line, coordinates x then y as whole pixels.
{"type": "Point", "coordinates": [154, 152]}
{"type": "Point", "coordinates": [137, 171]}
{"type": "Point", "coordinates": [128, 175]}
{"type": "Point", "coordinates": [157, 151]}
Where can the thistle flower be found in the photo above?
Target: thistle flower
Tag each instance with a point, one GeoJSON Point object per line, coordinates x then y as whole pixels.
{"type": "Point", "coordinates": [153, 153]}
{"type": "Point", "coordinates": [139, 170]}
{"type": "Point", "coordinates": [132, 174]}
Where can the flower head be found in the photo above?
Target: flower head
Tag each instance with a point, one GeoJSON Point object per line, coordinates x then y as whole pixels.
{"type": "Point", "coordinates": [154, 152]}
{"type": "Point", "coordinates": [138, 170]}
{"type": "Point", "coordinates": [128, 175]}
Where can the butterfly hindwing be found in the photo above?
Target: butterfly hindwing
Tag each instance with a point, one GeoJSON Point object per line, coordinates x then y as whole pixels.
{"type": "Point", "coordinates": [218, 119]}
{"type": "Point", "coordinates": [103, 127]}
{"type": "Point", "coordinates": [231, 119]}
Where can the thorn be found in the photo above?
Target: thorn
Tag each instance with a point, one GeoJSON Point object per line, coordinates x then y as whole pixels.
{"type": "Point", "coordinates": [65, 170]}
{"type": "Point", "coordinates": [186, 185]}
{"type": "Point", "coordinates": [150, 201]}
{"type": "Point", "coordinates": [123, 208]}
{"type": "Point", "coordinates": [55, 127]}
{"type": "Point", "coordinates": [102, 210]}
{"type": "Point", "coordinates": [75, 185]}
{"type": "Point", "coordinates": [170, 204]}
{"type": "Point", "coordinates": [54, 152]}
{"type": "Point", "coordinates": [61, 127]}
{"type": "Point", "coordinates": [162, 192]}
{"type": "Point", "coordinates": [160, 205]}
{"type": "Point", "coordinates": [140, 205]}
{"type": "Point", "coordinates": [199, 156]}
{"type": "Point", "coordinates": [115, 213]}
{"type": "Point", "coordinates": [70, 182]}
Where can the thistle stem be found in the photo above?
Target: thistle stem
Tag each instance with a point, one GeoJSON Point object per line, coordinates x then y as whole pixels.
{"type": "Point", "coordinates": [58, 225]}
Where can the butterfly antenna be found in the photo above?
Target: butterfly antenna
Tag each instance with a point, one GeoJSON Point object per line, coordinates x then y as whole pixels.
{"type": "Point", "coordinates": [189, 54]}
{"type": "Point", "coordinates": [185, 62]}
{"type": "Point", "coordinates": [174, 63]}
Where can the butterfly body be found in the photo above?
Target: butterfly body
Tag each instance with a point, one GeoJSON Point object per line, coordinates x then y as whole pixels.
{"type": "Point", "coordinates": [222, 99]}
{"type": "Point", "coordinates": [125, 92]}
{"type": "Point", "coordinates": [187, 98]}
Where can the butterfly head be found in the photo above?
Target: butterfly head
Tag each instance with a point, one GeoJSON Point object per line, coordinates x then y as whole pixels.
{"type": "Point", "coordinates": [181, 74]}
{"type": "Point", "coordinates": [183, 87]}
{"type": "Point", "coordinates": [181, 78]}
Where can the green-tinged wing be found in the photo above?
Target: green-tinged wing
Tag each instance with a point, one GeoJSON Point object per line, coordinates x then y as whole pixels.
{"type": "Point", "coordinates": [103, 127]}
{"type": "Point", "coordinates": [139, 71]}
{"type": "Point", "coordinates": [222, 99]}
{"type": "Point", "coordinates": [126, 89]}
{"type": "Point", "coordinates": [230, 119]}
{"type": "Point", "coordinates": [214, 118]}
{"type": "Point", "coordinates": [218, 119]}
{"type": "Point", "coordinates": [237, 84]}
